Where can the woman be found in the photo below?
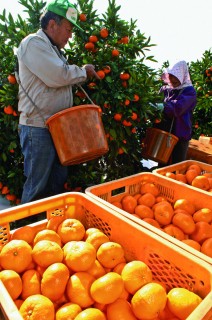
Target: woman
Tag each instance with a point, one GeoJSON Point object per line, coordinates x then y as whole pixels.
{"type": "Point", "coordinates": [179, 103]}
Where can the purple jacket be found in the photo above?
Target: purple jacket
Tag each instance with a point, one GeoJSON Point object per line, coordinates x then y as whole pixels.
{"type": "Point", "coordinates": [180, 103]}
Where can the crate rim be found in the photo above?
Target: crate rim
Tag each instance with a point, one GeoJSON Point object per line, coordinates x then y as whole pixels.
{"type": "Point", "coordinates": [107, 186]}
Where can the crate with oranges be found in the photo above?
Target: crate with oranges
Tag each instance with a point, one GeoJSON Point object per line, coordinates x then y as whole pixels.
{"type": "Point", "coordinates": [179, 214]}
{"type": "Point", "coordinates": [86, 261]}
{"type": "Point", "coordinates": [194, 174]}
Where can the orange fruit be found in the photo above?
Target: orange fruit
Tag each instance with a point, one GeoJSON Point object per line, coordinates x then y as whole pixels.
{"type": "Point", "coordinates": [181, 177]}
{"type": "Point", "coordinates": [47, 234]}
{"type": "Point", "coordinates": [104, 33]}
{"type": "Point", "coordinates": [174, 232]}
{"type": "Point", "coordinates": [195, 167]}
{"type": "Point", "coordinates": [54, 281]}
{"type": "Point", "coordinates": [93, 38]}
{"type": "Point", "coordinates": [110, 254]}
{"type": "Point", "coordinates": [125, 295]}
{"type": "Point", "coordinates": [202, 232]}
{"type": "Point", "coordinates": [134, 116]}
{"type": "Point", "coordinates": [190, 175]}
{"type": "Point", "coordinates": [117, 204]}
{"type": "Point", "coordinates": [185, 222]}
{"type": "Point", "coordinates": [79, 255]}
{"type": "Point", "coordinates": [71, 229]}
{"type": "Point", "coordinates": [207, 174]}
{"type": "Point", "coordinates": [184, 204]}
{"type": "Point", "coordinates": [68, 311]}
{"type": "Point", "coordinates": [96, 269]}
{"type": "Point", "coordinates": [124, 76]}
{"type": "Point", "coordinates": [82, 17]}
{"type": "Point", "coordinates": [143, 211]}
{"type": "Point", "coordinates": [149, 187]}
{"type": "Point", "coordinates": [96, 239]}
{"type": "Point", "coordinates": [206, 247]}
{"type": "Point", "coordinates": [101, 74]}
{"type": "Point", "coordinates": [166, 314]}
{"type": "Point", "coordinates": [153, 222]}
{"type": "Point", "coordinates": [192, 243]}
{"type": "Point", "coordinates": [8, 109]}
{"type": "Point", "coordinates": [54, 222]}
{"type": "Point", "coordinates": [100, 306]}
{"type": "Point", "coordinates": [129, 203]}
{"type": "Point", "coordinates": [5, 189]}
{"type": "Point", "coordinates": [163, 212]}
{"type": "Point", "coordinates": [31, 280]}
{"type": "Point", "coordinates": [90, 231]}
{"type": "Point", "coordinates": [61, 301]}
{"type": "Point", "coordinates": [12, 282]}
{"type": "Point", "coordinates": [12, 79]}
{"type": "Point", "coordinates": [115, 53]}
{"type": "Point", "coordinates": [91, 314]}
{"type": "Point", "coordinates": [37, 306]}
{"type": "Point", "coordinates": [148, 301]}
{"type": "Point", "coordinates": [204, 214]}
{"type": "Point", "coordinates": [40, 269]}
{"type": "Point", "coordinates": [135, 275]}
{"type": "Point", "coordinates": [89, 46]}
{"type": "Point", "coordinates": [170, 175]}
{"type": "Point", "coordinates": [25, 233]}
{"type": "Point", "coordinates": [16, 255]}
{"type": "Point", "coordinates": [137, 196]}
{"type": "Point", "coordinates": [119, 267]}
{"type": "Point", "coordinates": [160, 198]}
{"type": "Point", "coordinates": [119, 310]}
{"type": "Point", "coordinates": [78, 289]}
{"type": "Point", "coordinates": [201, 182]}
{"type": "Point", "coordinates": [107, 288]}
{"type": "Point", "coordinates": [46, 252]}
{"type": "Point", "coordinates": [180, 211]}
{"type": "Point", "coordinates": [118, 116]}
{"type": "Point", "coordinates": [181, 302]}
{"type": "Point", "coordinates": [147, 199]}
{"type": "Point", "coordinates": [18, 303]}
{"type": "Point", "coordinates": [107, 69]}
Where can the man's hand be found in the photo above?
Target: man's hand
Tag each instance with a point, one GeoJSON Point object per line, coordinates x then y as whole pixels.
{"type": "Point", "coordinates": [90, 70]}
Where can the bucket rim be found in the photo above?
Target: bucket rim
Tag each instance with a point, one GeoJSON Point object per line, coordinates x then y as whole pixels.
{"type": "Point", "coordinates": [73, 109]}
{"type": "Point", "coordinates": [164, 132]}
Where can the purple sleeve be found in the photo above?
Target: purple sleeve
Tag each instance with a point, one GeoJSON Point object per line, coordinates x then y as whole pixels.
{"type": "Point", "coordinates": [178, 105]}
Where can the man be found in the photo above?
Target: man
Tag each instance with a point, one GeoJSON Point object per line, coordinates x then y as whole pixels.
{"type": "Point", "coordinates": [45, 88]}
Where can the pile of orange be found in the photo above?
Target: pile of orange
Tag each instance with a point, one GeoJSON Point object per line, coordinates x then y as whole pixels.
{"type": "Point", "coordinates": [181, 219]}
{"type": "Point", "coordinates": [194, 176]}
{"type": "Point", "coordinates": [67, 272]}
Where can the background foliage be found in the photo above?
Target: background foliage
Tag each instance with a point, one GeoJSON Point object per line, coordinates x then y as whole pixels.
{"type": "Point", "coordinates": [127, 92]}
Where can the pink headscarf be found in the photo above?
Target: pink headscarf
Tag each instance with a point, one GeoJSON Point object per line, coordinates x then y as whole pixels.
{"type": "Point", "coordinates": [179, 70]}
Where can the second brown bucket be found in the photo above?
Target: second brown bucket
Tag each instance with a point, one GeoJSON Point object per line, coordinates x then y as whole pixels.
{"type": "Point", "coordinates": [78, 134]}
{"type": "Point", "coordinates": [158, 145]}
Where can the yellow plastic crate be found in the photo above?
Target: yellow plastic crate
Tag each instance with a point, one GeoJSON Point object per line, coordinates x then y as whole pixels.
{"type": "Point", "coordinates": [181, 167]}
{"type": "Point", "coordinates": [169, 263]}
{"type": "Point", "coordinates": [108, 192]}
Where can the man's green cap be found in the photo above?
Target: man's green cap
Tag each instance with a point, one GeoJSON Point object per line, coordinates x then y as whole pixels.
{"type": "Point", "coordinates": [64, 9]}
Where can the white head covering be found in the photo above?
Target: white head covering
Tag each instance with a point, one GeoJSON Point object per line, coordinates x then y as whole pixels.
{"type": "Point", "coordinates": [180, 71]}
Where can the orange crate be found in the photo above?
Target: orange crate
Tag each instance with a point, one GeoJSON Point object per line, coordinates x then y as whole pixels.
{"type": "Point", "coordinates": [181, 167]}
{"type": "Point", "coordinates": [108, 192]}
{"type": "Point", "coordinates": [169, 263]}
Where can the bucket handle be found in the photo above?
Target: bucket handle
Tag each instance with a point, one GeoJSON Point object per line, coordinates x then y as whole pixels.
{"type": "Point", "coordinates": [78, 85]}
{"type": "Point", "coordinates": [168, 141]}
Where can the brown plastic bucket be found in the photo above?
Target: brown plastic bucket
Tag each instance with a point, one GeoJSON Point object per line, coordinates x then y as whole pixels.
{"type": "Point", "coordinates": [78, 134]}
{"type": "Point", "coordinates": [158, 145]}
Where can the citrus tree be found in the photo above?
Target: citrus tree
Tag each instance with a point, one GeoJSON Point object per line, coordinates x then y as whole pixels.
{"type": "Point", "coordinates": [127, 87]}
{"type": "Point", "coordinates": [201, 73]}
